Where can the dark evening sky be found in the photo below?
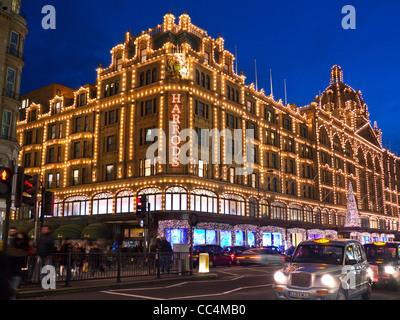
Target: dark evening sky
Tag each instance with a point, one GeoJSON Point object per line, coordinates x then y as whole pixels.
{"type": "Point", "coordinates": [299, 40]}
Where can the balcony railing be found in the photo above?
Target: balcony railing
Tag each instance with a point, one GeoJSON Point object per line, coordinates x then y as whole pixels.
{"type": "Point", "coordinates": [11, 94]}
{"type": "Point", "coordinates": [15, 53]}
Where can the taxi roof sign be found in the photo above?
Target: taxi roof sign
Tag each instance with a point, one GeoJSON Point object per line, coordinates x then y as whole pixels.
{"type": "Point", "coordinates": [321, 240]}
{"type": "Point", "coordinates": [379, 243]}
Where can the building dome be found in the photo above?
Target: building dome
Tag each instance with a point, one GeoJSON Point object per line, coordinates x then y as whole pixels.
{"type": "Point", "coordinates": [340, 99]}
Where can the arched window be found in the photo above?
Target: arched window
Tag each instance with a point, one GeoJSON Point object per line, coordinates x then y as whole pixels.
{"type": "Point", "coordinates": [309, 214]}
{"type": "Point", "coordinates": [57, 207]}
{"type": "Point", "coordinates": [102, 203]}
{"type": "Point", "coordinates": [232, 204]}
{"type": "Point", "coordinates": [278, 211]}
{"type": "Point", "coordinates": [176, 199]}
{"type": "Point", "coordinates": [265, 209]}
{"type": "Point", "coordinates": [325, 217]}
{"type": "Point", "coordinates": [125, 201]}
{"type": "Point", "coordinates": [333, 218]}
{"type": "Point", "coordinates": [295, 212]}
{"type": "Point", "coordinates": [154, 197]}
{"type": "Point", "coordinates": [203, 201]}
{"type": "Point", "coordinates": [76, 206]}
{"type": "Point", "coordinates": [253, 207]}
{"type": "Point", "coordinates": [317, 216]}
{"type": "Point", "coordinates": [364, 222]}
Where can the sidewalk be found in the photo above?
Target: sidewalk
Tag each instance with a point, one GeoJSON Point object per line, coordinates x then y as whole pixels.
{"type": "Point", "coordinates": [34, 291]}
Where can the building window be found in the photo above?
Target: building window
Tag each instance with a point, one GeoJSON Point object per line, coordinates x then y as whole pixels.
{"type": "Point", "coordinates": [143, 55]}
{"type": "Point", "coordinates": [110, 172]}
{"type": "Point", "coordinates": [77, 150]}
{"type": "Point", "coordinates": [154, 198]}
{"type": "Point", "coordinates": [253, 207]}
{"type": "Point", "coordinates": [102, 203]}
{"type": "Point", "coordinates": [10, 82]}
{"type": "Point", "coordinates": [203, 201]}
{"type": "Point", "coordinates": [295, 213]}
{"type": "Point", "coordinates": [27, 160]}
{"type": "Point", "coordinates": [176, 199]}
{"type": "Point", "coordinates": [76, 206]}
{"type": "Point", "coordinates": [278, 211]}
{"type": "Point", "coordinates": [14, 43]}
{"type": "Point", "coordinates": [50, 180]}
{"type": "Point", "coordinates": [264, 209]}
{"type": "Point", "coordinates": [75, 177]}
{"type": "Point", "coordinates": [57, 180]}
{"type": "Point", "coordinates": [6, 125]}
{"type": "Point", "coordinates": [111, 144]}
{"type": "Point", "coordinates": [233, 205]}
{"type": "Point", "coordinates": [50, 158]}
{"type": "Point", "coordinates": [125, 202]}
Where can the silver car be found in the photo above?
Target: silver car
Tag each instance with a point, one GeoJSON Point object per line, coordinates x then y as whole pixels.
{"type": "Point", "coordinates": [325, 269]}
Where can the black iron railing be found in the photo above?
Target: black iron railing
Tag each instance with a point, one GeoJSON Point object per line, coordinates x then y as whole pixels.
{"type": "Point", "coordinates": [86, 266]}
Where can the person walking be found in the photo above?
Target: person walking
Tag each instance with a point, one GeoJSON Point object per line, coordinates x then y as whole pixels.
{"type": "Point", "coordinates": [165, 255]}
{"type": "Point", "coordinates": [45, 250]}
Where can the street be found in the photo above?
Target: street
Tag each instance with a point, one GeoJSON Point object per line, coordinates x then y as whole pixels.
{"type": "Point", "coordinates": [234, 283]}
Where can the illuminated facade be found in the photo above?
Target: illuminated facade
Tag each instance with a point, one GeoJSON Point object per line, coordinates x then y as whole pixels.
{"type": "Point", "coordinates": [89, 147]}
{"type": "Point", "coordinates": [13, 31]}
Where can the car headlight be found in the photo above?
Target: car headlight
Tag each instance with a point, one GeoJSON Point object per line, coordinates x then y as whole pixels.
{"type": "Point", "coordinates": [328, 280]}
{"type": "Point", "coordinates": [389, 269]}
{"type": "Point", "coordinates": [279, 277]}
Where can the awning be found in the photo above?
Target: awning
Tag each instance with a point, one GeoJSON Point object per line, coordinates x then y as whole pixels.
{"type": "Point", "coordinates": [70, 231]}
{"type": "Point", "coordinates": [96, 231]}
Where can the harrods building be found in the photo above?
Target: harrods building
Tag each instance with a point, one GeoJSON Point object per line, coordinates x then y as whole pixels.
{"type": "Point", "coordinates": [89, 147]}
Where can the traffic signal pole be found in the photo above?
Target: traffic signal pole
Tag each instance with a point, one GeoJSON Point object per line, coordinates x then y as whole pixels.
{"type": "Point", "coordinates": [6, 222]}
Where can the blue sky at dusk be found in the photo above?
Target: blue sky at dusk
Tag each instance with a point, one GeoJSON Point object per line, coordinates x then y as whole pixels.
{"type": "Point", "coordinates": [299, 40]}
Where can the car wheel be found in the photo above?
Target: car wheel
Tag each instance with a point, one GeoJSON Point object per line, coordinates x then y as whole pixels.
{"type": "Point", "coordinates": [342, 295]}
{"type": "Point", "coordinates": [367, 295]}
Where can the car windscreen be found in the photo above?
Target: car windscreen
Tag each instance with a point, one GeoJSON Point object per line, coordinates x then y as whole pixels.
{"type": "Point", "coordinates": [375, 252]}
{"type": "Point", "coordinates": [318, 254]}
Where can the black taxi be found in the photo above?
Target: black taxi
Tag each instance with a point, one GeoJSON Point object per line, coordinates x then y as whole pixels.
{"type": "Point", "coordinates": [384, 260]}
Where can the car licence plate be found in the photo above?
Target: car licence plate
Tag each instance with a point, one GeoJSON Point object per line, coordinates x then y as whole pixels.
{"type": "Point", "coordinates": [300, 295]}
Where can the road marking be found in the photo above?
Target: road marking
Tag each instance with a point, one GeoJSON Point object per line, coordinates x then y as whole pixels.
{"type": "Point", "coordinates": [131, 295]}
{"type": "Point", "coordinates": [222, 293]}
{"type": "Point", "coordinates": [114, 292]}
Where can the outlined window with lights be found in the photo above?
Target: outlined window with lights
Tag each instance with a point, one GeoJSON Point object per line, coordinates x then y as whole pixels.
{"type": "Point", "coordinates": [76, 206]}
{"type": "Point", "coordinates": [202, 200]}
{"type": "Point", "coordinates": [176, 199]}
{"type": "Point", "coordinates": [102, 203]}
{"type": "Point", "coordinates": [125, 202]}
{"type": "Point", "coordinates": [154, 198]}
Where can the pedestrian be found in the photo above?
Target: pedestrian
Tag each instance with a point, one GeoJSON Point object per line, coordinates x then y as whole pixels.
{"type": "Point", "coordinates": [64, 255]}
{"type": "Point", "coordinates": [17, 259]}
{"type": "Point", "coordinates": [45, 250]}
{"type": "Point", "coordinates": [95, 260]}
{"type": "Point", "coordinates": [165, 254]}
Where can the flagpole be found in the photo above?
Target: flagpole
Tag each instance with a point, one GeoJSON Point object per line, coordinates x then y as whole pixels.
{"type": "Point", "coordinates": [255, 64]}
{"type": "Point", "coordinates": [236, 59]}
{"type": "Point", "coordinates": [285, 92]}
{"type": "Point", "coordinates": [270, 80]}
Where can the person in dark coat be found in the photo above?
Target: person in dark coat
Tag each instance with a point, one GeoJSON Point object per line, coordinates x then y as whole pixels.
{"type": "Point", "coordinates": [165, 254]}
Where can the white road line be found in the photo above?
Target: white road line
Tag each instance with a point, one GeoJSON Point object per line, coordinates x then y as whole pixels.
{"type": "Point", "coordinates": [186, 297]}
{"type": "Point", "coordinates": [222, 293]}
{"type": "Point", "coordinates": [131, 295]}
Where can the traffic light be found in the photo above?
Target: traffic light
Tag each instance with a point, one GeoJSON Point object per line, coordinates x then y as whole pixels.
{"type": "Point", "coordinates": [141, 205]}
{"type": "Point", "coordinates": [19, 187]}
{"type": "Point", "coordinates": [30, 188]}
{"type": "Point", "coordinates": [6, 175]}
{"type": "Point", "coordinates": [48, 203]}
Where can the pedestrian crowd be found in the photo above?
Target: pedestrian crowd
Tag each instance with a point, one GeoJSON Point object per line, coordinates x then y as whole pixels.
{"type": "Point", "coordinates": [23, 260]}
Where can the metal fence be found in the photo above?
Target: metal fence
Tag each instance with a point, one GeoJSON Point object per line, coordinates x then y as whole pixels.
{"type": "Point", "coordinates": [85, 266]}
